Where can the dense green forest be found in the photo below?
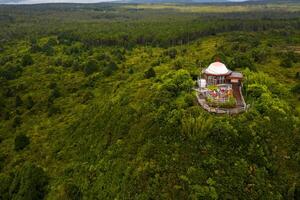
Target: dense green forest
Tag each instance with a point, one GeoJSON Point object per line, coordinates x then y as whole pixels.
{"type": "Point", "coordinates": [97, 102]}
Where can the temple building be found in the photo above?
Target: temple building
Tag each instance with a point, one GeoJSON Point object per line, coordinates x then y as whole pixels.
{"type": "Point", "coordinates": [217, 73]}
{"type": "Point", "coordinates": [220, 88]}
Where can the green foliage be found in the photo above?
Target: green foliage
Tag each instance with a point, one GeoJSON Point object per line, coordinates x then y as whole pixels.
{"type": "Point", "coordinates": [5, 181]}
{"type": "Point", "coordinates": [21, 141]}
{"type": "Point", "coordinates": [286, 62]}
{"type": "Point", "coordinates": [110, 68]}
{"type": "Point", "coordinates": [172, 53]}
{"type": "Point", "coordinates": [2, 158]}
{"type": "Point", "coordinates": [260, 55]}
{"type": "Point", "coordinates": [242, 61]}
{"type": "Point", "coordinates": [54, 94]}
{"type": "Point", "coordinates": [10, 71]}
{"type": "Point", "coordinates": [104, 128]}
{"type": "Point", "coordinates": [256, 90]}
{"type": "Point", "coordinates": [231, 103]}
{"type": "Point", "coordinates": [69, 191]}
{"type": "Point", "coordinates": [91, 67]}
{"type": "Point", "coordinates": [149, 73]}
{"type": "Point", "coordinates": [18, 101]}
{"type": "Point", "coordinates": [26, 60]}
{"type": "Point", "coordinates": [296, 89]}
{"type": "Point", "coordinates": [28, 183]}
{"type": "Point", "coordinates": [29, 102]}
{"type": "Point", "coordinates": [177, 82]}
{"type": "Point", "coordinates": [17, 121]}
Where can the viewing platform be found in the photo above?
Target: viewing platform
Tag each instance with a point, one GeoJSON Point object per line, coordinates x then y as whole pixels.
{"type": "Point", "coordinates": [220, 91]}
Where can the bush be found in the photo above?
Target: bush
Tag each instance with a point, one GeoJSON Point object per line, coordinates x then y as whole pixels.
{"type": "Point", "coordinates": [286, 62]}
{"type": "Point", "coordinates": [29, 183]}
{"type": "Point", "coordinates": [150, 73]}
{"type": "Point", "coordinates": [110, 68]}
{"type": "Point", "coordinates": [34, 46]}
{"type": "Point", "coordinates": [10, 71]}
{"type": "Point", "coordinates": [297, 76]}
{"type": "Point", "coordinates": [130, 71]}
{"type": "Point", "coordinates": [2, 160]}
{"type": "Point", "coordinates": [172, 53]}
{"type": "Point", "coordinates": [242, 61]}
{"type": "Point", "coordinates": [26, 60]}
{"type": "Point", "coordinates": [231, 103]}
{"type": "Point", "coordinates": [29, 102]}
{"type": "Point", "coordinates": [48, 50]}
{"type": "Point", "coordinates": [18, 101]}
{"type": "Point", "coordinates": [296, 89]}
{"type": "Point", "coordinates": [21, 141]}
{"type": "Point", "coordinates": [177, 82]}
{"type": "Point", "coordinates": [256, 90]}
{"type": "Point", "coordinates": [259, 56]}
{"type": "Point", "coordinates": [5, 181]}
{"type": "Point", "coordinates": [69, 191]}
{"type": "Point", "coordinates": [86, 96]}
{"type": "Point", "coordinates": [52, 110]}
{"type": "Point", "coordinates": [91, 67]}
{"type": "Point", "coordinates": [16, 122]}
{"type": "Point", "coordinates": [53, 95]}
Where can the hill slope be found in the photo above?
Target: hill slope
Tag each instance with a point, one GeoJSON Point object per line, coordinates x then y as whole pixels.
{"type": "Point", "coordinates": [101, 105]}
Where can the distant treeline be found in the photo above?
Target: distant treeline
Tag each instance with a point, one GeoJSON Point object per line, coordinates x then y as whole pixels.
{"type": "Point", "coordinates": [113, 25]}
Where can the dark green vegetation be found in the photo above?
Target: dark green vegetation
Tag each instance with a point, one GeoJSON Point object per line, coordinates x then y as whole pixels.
{"type": "Point", "coordinates": [96, 102]}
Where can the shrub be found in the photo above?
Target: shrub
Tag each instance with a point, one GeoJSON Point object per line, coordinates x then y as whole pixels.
{"type": "Point", "coordinates": [34, 46]}
{"type": "Point", "coordinates": [21, 141]}
{"type": "Point", "coordinates": [48, 50]}
{"type": "Point", "coordinates": [53, 95]}
{"type": "Point", "coordinates": [242, 61]}
{"type": "Point", "coordinates": [172, 53]}
{"type": "Point", "coordinates": [5, 181]}
{"type": "Point", "coordinates": [259, 56]}
{"type": "Point", "coordinates": [29, 183]}
{"type": "Point", "coordinates": [67, 62]}
{"type": "Point", "coordinates": [29, 102]}
{"type": "Point", "coordinates": [52, 110]}
{"type": "Point", "coordinates": [110, 68]}
{"type": "Point", "coordinates": [189, 99]}
{"type": "Point", "coordinates": [52, 42]}
{"type": "Point", "coordinates": [297, 76]}
{"type": "Point", "coordinates": [286, 62]}
{"type": "Point", "coordinates": [130, 71]}
{"type": "Point", "coordinates": [86, 96]}
{"type": "Point", "coordinates": [150, 73]}
{"type": "Point", "coordinates": [69, 191]}
{"type": "Point", "coordinates": [91, 67]}
{"type": "Point", "coordinates": [296, 89]}
{"type": "Point", "coordinates": [178, 64]}
{"type": "Point", "coordinates": [177, 82]}
{"type": "Point", "coordinates": [16, 122]}
{"type": "Point", "coordinates": [256, 90]}
{"type": "Point", "coordinates": [10, 71]}
{"type": "Point", "coordinates": [26, 60]}
{"type": "Point", "coordinates": [231, 103]}
{"type": "Point", "coordinates": [18, 101]}
{"type": "Point", "coordinates": [2, 160]}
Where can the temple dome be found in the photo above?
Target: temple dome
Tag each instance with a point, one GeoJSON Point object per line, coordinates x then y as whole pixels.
{"type": "Point", "coordinates": [217, 68]}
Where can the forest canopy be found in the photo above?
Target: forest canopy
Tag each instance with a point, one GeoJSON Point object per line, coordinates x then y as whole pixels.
{"type": "Point", "coordinates": [97, 101]}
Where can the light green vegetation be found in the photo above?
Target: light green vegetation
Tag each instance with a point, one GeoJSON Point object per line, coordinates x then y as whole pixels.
{"type": "Point", "coordinates": [221, 8]}
{"type": "Point", "coordinates": [112, 115]}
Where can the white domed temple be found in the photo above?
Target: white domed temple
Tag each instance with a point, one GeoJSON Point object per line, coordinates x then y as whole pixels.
{"type": "Point", "coordinates": [220, 89]}
{"type": "Point", "coordinates": [217, 73]}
